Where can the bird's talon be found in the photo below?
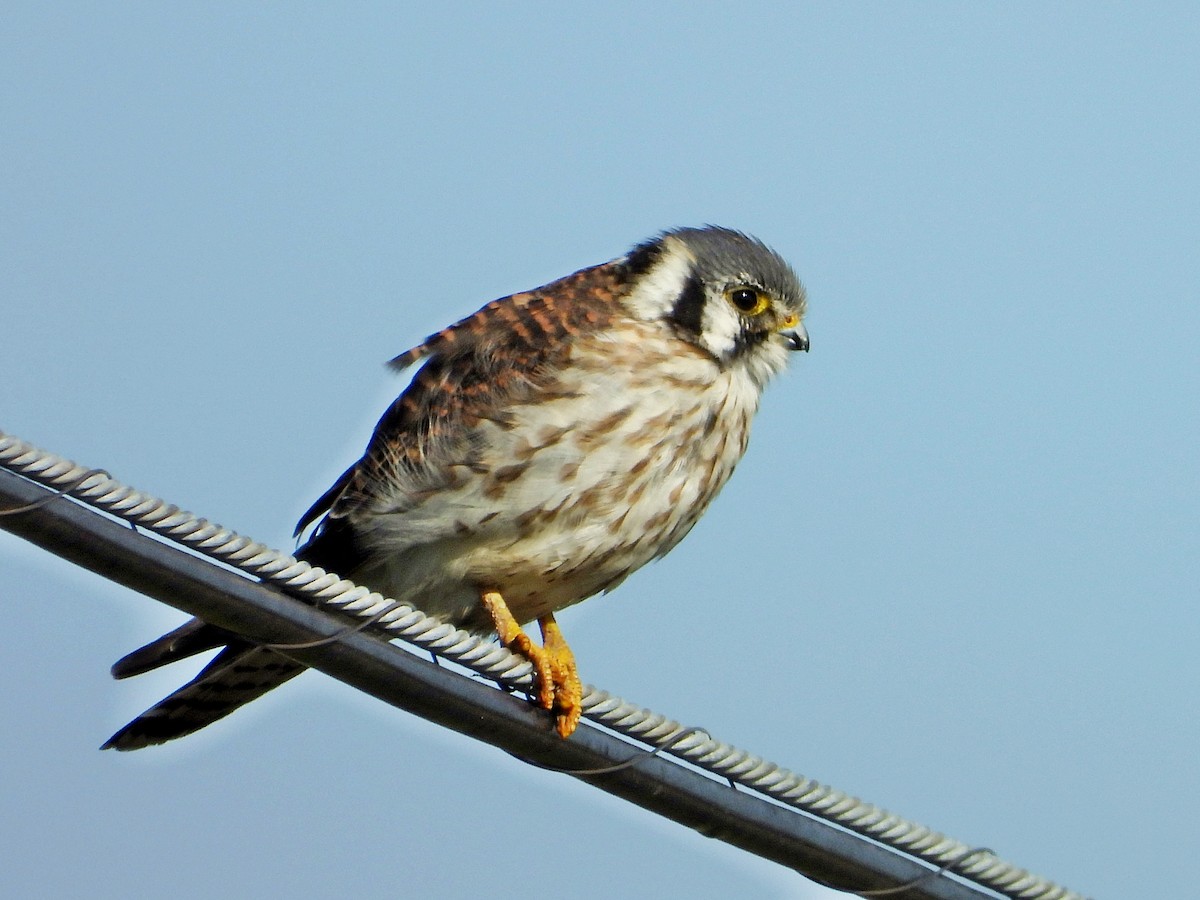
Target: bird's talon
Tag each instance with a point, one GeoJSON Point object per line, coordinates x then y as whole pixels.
{"type": "Point", "coordinates": [543, 675]}
{"type": "Point", "coordinates": [568, 689]}
{"type": "Point", "coordinates": [556, 684]}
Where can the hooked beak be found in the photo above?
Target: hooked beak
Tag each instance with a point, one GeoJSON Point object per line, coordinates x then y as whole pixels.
{"type": "Point", "coordinates": [797, 338]}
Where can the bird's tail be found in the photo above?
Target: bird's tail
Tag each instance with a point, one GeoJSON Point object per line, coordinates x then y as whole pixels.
{"type": "Point", "coordinates": [241, 672]}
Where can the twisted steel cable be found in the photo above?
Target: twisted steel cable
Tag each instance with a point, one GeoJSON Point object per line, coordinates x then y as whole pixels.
{"type": "Point", "coordinates": [401, 620]}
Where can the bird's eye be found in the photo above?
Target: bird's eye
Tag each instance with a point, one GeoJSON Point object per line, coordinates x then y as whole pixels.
{"type": "Point", "coordinates": [750, 301]}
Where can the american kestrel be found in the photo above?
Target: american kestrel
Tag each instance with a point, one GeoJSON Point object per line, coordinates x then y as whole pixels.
{"type": "Point", "coordinates": [549, 445]}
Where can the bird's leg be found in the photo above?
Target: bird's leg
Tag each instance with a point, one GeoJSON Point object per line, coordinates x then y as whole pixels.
{"type": "Point", "coordinates": [568, 689]}
{"type": "Point", "coordinates": [512, 637]}
{"type": "Point", "coordinates": [555, 677]}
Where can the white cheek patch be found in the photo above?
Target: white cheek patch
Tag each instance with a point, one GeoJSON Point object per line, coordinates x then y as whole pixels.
{"type": "Point", "coordinates": [658, 289]}
{"type": "Point", "coordinates": [721, 327]}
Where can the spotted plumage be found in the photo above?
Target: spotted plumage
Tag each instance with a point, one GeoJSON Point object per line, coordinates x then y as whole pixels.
{"type": "Point", "coordinates": [548, 446]}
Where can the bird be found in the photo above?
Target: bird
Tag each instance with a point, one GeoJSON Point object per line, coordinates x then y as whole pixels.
{"type": "Point", "coordinates": [548, 446]}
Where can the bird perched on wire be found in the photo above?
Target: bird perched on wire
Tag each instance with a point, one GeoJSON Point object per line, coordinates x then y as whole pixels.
{"type": "Point", "coordinates": [550, 445]}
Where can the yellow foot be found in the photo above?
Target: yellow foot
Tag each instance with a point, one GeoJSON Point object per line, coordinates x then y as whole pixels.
{"type": "Point", "coordinates": [568, 689]}
{"type": "Point", "coordinates": [556, 678]}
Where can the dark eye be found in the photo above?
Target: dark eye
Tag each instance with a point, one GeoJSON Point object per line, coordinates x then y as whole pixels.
{"type": "Point", "coordinates": [749, 300]}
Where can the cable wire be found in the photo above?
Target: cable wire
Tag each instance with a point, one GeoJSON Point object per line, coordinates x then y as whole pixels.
{"type": "Point", "coordinates": [96, 488]}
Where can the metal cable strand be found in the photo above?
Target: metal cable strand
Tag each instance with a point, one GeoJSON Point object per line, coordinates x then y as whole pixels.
{"type": "Point", "coordinates": [401, 620]}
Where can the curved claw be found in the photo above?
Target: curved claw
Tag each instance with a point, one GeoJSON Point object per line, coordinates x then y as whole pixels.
{"type": "Point", "coordinates": [564, 675]}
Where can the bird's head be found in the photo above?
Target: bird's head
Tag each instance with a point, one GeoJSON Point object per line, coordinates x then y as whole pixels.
{"type": "Point", "coordinates": [723, 291]}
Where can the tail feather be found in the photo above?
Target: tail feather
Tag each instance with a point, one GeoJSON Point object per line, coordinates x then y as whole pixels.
{"type": "Point", "coordinates": [241, 672]}
{"type": "Point", "coordinates": [238, 674]}
{"type": "Point", "coordinates": [194, 636]}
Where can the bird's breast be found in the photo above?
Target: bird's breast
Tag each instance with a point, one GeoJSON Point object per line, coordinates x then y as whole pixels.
{"type": "Point", "coordinates": [587, 481]}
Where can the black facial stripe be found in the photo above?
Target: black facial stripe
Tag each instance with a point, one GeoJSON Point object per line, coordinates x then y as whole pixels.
{"type": "Point", "coordinates": [688, 311]}
{"type": "Point", "coordinates": [643, 258]}
{"type": "Point", "coordinates": [748, 338]}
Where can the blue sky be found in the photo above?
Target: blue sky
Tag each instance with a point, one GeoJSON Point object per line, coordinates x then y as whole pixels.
{"type": "Point", "coordinates": [957, 574]}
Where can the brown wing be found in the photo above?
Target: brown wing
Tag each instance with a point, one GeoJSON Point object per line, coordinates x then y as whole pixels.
{"type": "Point", "coordinates": [473, 370]}
{"type": "Point", "coordinates": [529, 322]}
